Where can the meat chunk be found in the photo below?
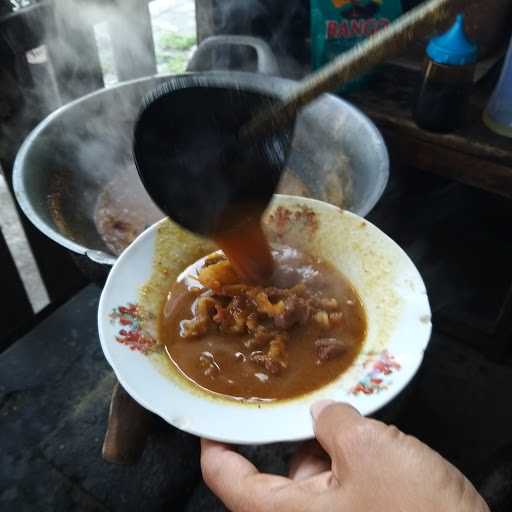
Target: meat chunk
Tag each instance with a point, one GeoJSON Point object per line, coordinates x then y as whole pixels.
{"type": "Point", "coordinates": [260, 339]}
{"type": "Point", "coordinates": [328, 304]}
{"type": "Point", "coordinates": [322, 319]}
{"type": "Point", "coordinates": [217, 275]}
{"type": "Point", "coordinates": [277, 351]}
{"type": "Point", "coordinates": [266, 307]}
{"type": "Point", "coordinates": [238, 308]}
{"type": "Point", "coordinates": [262, 317]}
{"type": "Point", "coordinates": [229, 315]}
{"type": "Point", "coordinates": [194, 327]}
{"type": "Point", "coordinates": [296, 311]}
{"type": "Point", "coordinates": [220, 315]}
{"type": "Point", "coordinates": [205, 307]}
{"type": "Point", "coordinates": [231, 290]}
{"type": "Point", "coordinates": [275, 359]}
{"type": "Point", "coordinates": [336, 318]}
{"type": "Point", "coordinates": [330, 348]}
{"type": "Point", "coordinates": [252, 322]}
{"type": "Point", "coordinates": [237, 312]}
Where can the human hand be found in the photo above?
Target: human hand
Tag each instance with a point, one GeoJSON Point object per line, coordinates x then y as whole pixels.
{"type": "Point", "coordinates": [367, 466]}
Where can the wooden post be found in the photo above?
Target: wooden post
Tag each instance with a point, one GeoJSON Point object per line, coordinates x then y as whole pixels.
{"type": "Point", "coordinates": [128, 427]}
{"type": "Point", "coordinates": [132, 40]}
{"type": "Point", "coordinates": [504, 327]}
{"type": "Point", "coordinates": [16, 309]}
{"type": "Point", "coordinates": [205, 24]}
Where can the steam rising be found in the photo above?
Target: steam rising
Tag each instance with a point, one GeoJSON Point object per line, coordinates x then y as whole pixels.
{"type": "Point", "coordinates": [65, 53]}
{"type": "Point", "coordinates": [61, 54]}
{"type": "Point", "coordinates": [284, 25]}
{"type": "Point", "coordinates": [93, 143]}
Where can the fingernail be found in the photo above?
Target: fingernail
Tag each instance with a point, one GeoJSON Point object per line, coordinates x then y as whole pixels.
{"type": "Point", "coordinates": [318, 407]}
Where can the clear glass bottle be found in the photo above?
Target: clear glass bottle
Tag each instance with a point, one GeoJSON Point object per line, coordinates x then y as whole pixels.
{"type": "Point", "coordinates": [498, 114]}
{"type": "Point", "coordinates": [442, 99]}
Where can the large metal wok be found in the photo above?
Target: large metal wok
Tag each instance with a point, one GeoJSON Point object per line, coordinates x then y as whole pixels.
{"type": "Point", "coordinates": [78, 161]}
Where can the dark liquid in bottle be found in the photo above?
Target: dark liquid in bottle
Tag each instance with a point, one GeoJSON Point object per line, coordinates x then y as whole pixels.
{"type": "Point", "coordinates": [442, 98]}
{"type": "Point", "coordinates": [441, 107]}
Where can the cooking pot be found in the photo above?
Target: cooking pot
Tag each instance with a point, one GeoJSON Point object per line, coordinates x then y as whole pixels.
{"type": "Point", "coordinates": [78, 160]}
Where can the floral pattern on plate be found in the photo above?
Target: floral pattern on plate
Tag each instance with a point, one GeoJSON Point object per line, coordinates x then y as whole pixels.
{"type": "Point", "coordinates": [376, 380]}
{"type": "Point", "coordinates": [131, 332]}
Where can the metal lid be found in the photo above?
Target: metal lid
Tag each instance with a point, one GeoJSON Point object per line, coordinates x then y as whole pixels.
{"type": "Point", "coordinates": [453, 47]}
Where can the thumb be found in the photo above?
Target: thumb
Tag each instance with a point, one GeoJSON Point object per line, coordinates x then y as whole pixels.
{"type": "Point", "coordinates": [334, 425]}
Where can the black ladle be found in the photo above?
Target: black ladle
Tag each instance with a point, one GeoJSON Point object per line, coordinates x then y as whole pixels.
{"type": "Point", "coordinates": [190, 157]}
{"type": "Point", "coordinates": [202, 148]}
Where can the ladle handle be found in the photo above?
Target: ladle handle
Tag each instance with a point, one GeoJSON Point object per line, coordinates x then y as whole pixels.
{"type": "Point", "coordinates": [374, 50]}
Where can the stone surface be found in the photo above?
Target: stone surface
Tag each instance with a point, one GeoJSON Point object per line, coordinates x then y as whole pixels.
{"type": "Point", "coordinates": [460, 404]}
{"type": "Point", "coordinates": [55, 387]}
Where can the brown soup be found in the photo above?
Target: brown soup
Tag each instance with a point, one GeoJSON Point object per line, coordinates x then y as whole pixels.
{"type": "Point", "coordinates": [270, 342]}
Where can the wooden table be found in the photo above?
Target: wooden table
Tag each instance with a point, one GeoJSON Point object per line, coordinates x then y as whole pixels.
{"type": "Point", "coordinates": [474, 155]}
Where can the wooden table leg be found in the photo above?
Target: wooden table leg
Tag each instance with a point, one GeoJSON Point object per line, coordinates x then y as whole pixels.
{"type": "Point", "coordinates": [128, 428]}
{"type": "Point", "coordinates": [504, 327]}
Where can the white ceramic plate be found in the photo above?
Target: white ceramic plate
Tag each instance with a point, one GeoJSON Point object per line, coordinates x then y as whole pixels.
{"type": "Point", "coordinates": [391, 289]}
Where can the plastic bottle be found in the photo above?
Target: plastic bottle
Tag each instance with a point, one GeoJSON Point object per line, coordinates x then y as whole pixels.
{"type": "Point", "coordinates": [498, 114]}
{"type": "Point", "coordinates": [442, 99]}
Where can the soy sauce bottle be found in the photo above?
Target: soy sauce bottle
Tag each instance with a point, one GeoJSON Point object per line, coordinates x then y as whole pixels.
{"type": "Point", "coordinates": [442, 99]}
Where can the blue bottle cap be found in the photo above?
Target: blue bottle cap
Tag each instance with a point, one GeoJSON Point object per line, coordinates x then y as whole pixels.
{"type": "Point", "coordinates": [453, 47]}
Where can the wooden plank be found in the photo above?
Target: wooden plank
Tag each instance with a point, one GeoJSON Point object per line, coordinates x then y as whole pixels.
{"type": "Point", "coordinates": [389, 99]}
{"type": "Point", "coordinates": [16, 310]}
{"type": "Point", "coordinates": [131, 34]}
{"type": "Point", "coordinates": [493, 148]}
{"type": "Point", "coordinates": [205, 25]}
{"type": "Point", "coordinates": [478, 172]}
